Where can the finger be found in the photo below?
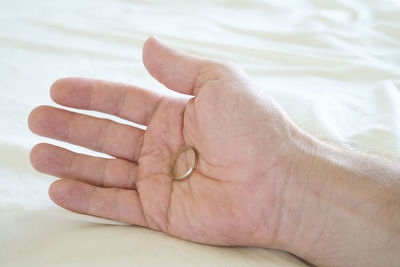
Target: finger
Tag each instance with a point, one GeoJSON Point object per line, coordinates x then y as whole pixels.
{"type": "Point", "coordinates": [178, 71]}
{"type": "Point", "coordinates": [96, 171]}
{"type": "Point", "coordinates": [106, 136]}
{"type": "Point", "coordinates": [125, 101]}
{"type": "Point", "coordinates": [111, 203]}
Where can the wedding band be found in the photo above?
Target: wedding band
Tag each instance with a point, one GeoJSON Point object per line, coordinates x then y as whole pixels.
{"type": "Point", "coordinates": [175, 156]}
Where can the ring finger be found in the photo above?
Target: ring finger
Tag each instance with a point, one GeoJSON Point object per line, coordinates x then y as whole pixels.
{"type": "Point", "coordinates": [96, 171]}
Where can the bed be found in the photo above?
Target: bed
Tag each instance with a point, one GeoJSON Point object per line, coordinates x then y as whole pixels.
{"type": "Point", "coordinates": [334, 66]}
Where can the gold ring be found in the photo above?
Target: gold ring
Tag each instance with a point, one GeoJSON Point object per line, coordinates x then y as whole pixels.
{"type": "Point", "coordinates": [175, 157]}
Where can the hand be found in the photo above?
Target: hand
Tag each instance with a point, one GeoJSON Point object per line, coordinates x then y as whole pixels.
{"type": "Point", "coordinates": [260, 180]}
{"type": "Point", "coordinates": [243, 139]}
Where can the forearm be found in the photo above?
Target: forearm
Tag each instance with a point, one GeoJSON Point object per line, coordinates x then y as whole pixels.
{"type": "Point", "coordinates": [345, 205]}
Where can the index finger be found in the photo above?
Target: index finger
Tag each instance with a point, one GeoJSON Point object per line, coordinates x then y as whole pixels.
{"type": "Point", "coordinates": [125, 101]}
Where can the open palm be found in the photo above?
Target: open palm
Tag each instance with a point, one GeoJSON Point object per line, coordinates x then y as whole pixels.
{"type": "Point", "coordinates": [233, 196]}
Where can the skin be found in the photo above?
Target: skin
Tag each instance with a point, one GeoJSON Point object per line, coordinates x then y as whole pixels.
{"type": "Point", "coordinates": [260, 180]}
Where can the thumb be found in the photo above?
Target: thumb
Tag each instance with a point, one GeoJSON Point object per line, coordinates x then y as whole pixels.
{"type": "Point", "coordinates": [178, 71]}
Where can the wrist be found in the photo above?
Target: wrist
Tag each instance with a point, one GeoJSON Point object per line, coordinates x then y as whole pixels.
{"type": "Point", "coordinates": [330, 205]}
{"type": "Point", "coordinates": [300, 197]}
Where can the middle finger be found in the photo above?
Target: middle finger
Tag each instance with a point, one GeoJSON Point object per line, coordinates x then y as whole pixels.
{"type": "Point", "coordinates": [103, 135]}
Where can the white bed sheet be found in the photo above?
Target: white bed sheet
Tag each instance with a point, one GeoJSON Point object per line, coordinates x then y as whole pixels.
{"type": "Point", "coordinates": [333, 65]}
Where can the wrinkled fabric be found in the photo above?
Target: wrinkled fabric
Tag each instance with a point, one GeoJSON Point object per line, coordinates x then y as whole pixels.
{"type": "Point", "coordinates": [334, 67]}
